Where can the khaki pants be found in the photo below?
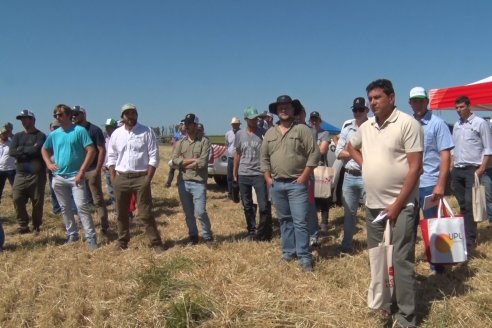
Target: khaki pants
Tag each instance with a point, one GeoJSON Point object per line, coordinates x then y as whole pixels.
{"type": "Point", "coordinates": [29, 186]}
{"type": "Point", "coordinates": [124, 185]}
{"type": "Point", "coordinates": [95, 186]}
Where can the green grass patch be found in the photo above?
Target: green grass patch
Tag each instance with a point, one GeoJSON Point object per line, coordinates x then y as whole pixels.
{"type": "Point", "coordinates": [159, 280]}
{"type": "Point", "coordinates": [216, 139]}
{"type": "Point", "coordinates": [189, 312]}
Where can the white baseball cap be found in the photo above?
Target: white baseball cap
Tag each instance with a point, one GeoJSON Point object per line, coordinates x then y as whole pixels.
{"type": "Point", "coordinates": [418, 92]}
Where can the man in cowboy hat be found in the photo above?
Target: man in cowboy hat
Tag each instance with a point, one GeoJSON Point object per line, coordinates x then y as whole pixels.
{"type": "Point", "coordinates": [133, 157]}
{"type": "Point", "coordinates": [289, 155]}
{"type": "Point", "coordinates": [229, 143]}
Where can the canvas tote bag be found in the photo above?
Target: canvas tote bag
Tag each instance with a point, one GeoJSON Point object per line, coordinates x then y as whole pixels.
{"type": "Point", "coordinates": [323, 177]}
{"type": "Point", "coordinates": [444, 236]}
{"type": "Point", "coordinates": [382, 273]}
{"type": "Point", "coordinates": [479, 201]}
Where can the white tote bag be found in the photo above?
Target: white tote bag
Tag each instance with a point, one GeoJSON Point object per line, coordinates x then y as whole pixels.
{"type": "Point", "coordinates": [479, 201]}
{"type": "Point", "coordinates": [382, 273]}
{"type": "Point", "coordinates": [323, 177]}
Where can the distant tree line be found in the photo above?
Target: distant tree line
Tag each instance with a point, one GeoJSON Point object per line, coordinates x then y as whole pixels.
{"type": "Point", "coordinates": [164, 134]}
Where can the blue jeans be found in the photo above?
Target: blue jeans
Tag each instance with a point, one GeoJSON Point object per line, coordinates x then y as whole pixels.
{"type": "Point", "coordinates": [246, 184]}
{"type": "Point", "coordinates": [353, 190]}
{"type": "Point", "coordinates": [66, 191]}
{"type": "Point", "coordinates": [193, 196]}
{"type": "Point", "coordinates": [54, 201]}
{"type": "Point", "coordinates": [109, 185]}
{"type": "Point", "coordinates": [429, 213]}
{"type": "Point", "coordinates": [486, 180]}
{"type": "Point", "coordinates": [292, 204]}
{"type": "Point", "coordinates": [312, 217]}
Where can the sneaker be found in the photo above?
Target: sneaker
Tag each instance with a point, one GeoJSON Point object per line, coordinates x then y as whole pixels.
{"type": "Point", "coordinates": [92, 244]}
{"type": "Point", "coordinates": [36, 231]}
{"type": "Point", "coordinates": [71, 239]}
{"type": "Point", "coordinates": [314, 242]}
{"type": "Point", "coordinates": [307, 267]}
{"type": "Point", "coordinates": [210, 243]}
{"type": "Point", "coordinates": [288, 258]}
{"type": "Point", "coordinates": [23, 230]}
{"type": "Point", "coordinates": [340, 251]}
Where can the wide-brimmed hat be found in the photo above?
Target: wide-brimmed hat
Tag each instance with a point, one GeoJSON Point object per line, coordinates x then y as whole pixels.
{"type": "Point", "coordinates": [236, 120]}
{"type": "Point", "coordinates": [285, 99]}
{"type": "Point", "coordinates": [126, 107]}
{"type": "Point", "coordinates": [251, 113]}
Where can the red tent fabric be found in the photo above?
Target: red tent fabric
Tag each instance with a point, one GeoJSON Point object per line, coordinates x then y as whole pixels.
{"type": "Point", "coordinates": [480, 94]}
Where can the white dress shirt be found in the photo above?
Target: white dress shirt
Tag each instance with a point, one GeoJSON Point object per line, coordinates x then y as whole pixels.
{"type": "Point", "coordinates": [7, 162]}
{"type": "Point", "coordinates": [133, 151]}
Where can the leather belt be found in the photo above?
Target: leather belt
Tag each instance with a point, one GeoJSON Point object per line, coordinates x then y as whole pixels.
{"type": "Point", "coordinates": [132, 174]}
{"type": "Point", "coordinates": [355, 173]}
{"type": "Point", "coordinates": [285, 180]}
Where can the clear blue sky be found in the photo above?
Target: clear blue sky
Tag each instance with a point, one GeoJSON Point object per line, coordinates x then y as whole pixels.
{"type": "Point", "coordinates": [215, 57]}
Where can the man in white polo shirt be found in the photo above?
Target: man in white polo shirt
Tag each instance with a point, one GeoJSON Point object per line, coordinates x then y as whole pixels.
{"type": "Point", "coordinates": [133, 157]}
{"type": "Point", "coordinates": [389, 149]}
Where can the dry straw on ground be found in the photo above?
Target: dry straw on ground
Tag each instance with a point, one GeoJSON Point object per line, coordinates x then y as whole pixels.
{"type": "Point", "coordinates": [239, 284]}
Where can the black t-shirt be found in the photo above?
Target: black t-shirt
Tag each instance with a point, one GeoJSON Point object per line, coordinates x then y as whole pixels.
{"type": "Point", "coordinates": [97, 138]}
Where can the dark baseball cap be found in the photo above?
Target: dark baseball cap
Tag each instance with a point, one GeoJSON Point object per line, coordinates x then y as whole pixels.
{"type": "Point", "coordinates": [314, 114]}
{"type": "Point", "coordinates": [359, 103]}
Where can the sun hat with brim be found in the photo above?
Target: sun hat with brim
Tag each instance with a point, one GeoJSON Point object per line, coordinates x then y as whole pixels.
{"type": "Point", "coordinates": [284, 99]}
{"type": "Point", "coordinates": [251, 113]}
{"type": "Point", "coordinates": [418, 93]}
{"type": "Point", "coordinates": [25, 113]}
{"type": "Point", "coordinates": [126, 107]}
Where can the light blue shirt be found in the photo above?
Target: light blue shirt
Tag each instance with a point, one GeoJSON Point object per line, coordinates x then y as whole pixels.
{"type": "Point", "coordinates": [437, 138]}
{"type": "Point", "coordinates": [472, 140]}
{"type": "Point", "coordinates": [68, 148]}
{"type": "Point", "coordinates": [345, 135]}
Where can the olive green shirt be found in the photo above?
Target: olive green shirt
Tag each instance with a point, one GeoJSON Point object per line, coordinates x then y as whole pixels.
{"type": "Point", "coordinates": [286, 156]}
{"type": "Point", "coordinates": [186, 149]}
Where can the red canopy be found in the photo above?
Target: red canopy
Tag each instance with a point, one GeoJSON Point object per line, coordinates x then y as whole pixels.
{"type": "Point", "coordinates": [480, 94]}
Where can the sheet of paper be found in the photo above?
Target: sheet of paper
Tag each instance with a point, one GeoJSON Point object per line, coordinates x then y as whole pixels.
{"type": "Point", "coordinates": [429, 202]}
{"type": "Point", "coordinates": [380, 217]}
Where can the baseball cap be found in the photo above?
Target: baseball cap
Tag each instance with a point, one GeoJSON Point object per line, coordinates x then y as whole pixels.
{"type": "Point", "coordinates": [191, 118]}
{"type": "Point", "coordinates": [250, 113]}
{"type": "Point", "coordinates": [25, 113]}
{"type": "Point", "coordinates": [126, 107]}
{"type": "Point", "coordinates": [359, 103]}
{"type": "Point", "coordinates": [315, 115]}
{"type": "Point", "coordinates": [111, 122]}
{"type": "Point", "coordinates": [78, 109]}
{"type": "Point", "coordinates": [418, 92]}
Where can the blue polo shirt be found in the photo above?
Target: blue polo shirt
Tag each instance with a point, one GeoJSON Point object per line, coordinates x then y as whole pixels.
{"type": "Point", "coordinates": [473, 139]}
{"type": "Point", "coordinates": [68, 148]}
{"type": "Point", "coordinates": [437, 138]}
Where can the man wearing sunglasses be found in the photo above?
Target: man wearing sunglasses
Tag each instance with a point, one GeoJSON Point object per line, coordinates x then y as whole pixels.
{"type": "Point", "coordinates": [93, 174]}
{"type": "Point", "coordinates": [68, 151]}
{"type": "Point", "coordinates": [30, 178]}
{"type": "Point", "coordinates": [353, 186]}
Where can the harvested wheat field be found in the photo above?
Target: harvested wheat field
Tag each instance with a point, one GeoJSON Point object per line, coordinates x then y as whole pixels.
{"type": "Point", "coordinates": [241, 283]}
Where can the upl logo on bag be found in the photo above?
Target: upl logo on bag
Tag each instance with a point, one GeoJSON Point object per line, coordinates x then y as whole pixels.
{"type": "Point", "coordinates": [444, 242]}
{"type": "Point", "coordinates": [390, 282]}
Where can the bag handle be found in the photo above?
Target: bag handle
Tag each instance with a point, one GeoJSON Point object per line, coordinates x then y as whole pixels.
{"type": "Point", "coordinates": [440, 210]}
{"type": "Point", "coordinates": [387, 234]}
{"type": "Point", "coordinates": [477, 181]}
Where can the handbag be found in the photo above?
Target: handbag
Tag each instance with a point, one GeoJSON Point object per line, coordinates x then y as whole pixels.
{"type": "Point", "coordinates": [479, 202]}
{"type": "Point", "coordinates": [382, 273]}
{"type": "Point", "coordinates": [323, 178]}
{"type": "Point", "coordinates": [444, 236]}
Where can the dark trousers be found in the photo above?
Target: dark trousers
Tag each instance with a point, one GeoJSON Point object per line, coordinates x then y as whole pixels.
{"type": "Point", "coordinates": [124, 186]}
{"type": "Point", "coordinates": [29, 186]}
{"type": "Point", "coordinates": [4, 176]}
{"type": "Point", "coordinates": [94, 182]}
{"type": "Point", "coordinates": [462, 180]}
{"type": "Point", "coordinates": [230, 168]}
{"type": "Point", "coordinates": [246, 185]}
